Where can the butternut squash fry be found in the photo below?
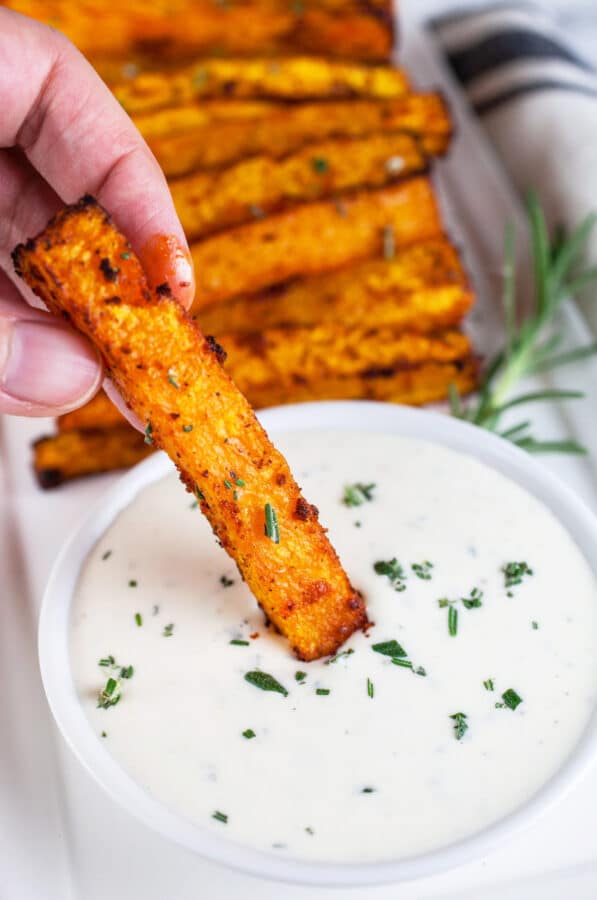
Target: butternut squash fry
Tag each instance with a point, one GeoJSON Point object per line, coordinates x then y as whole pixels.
{"type": "Point", "coordinates": [286, 78]}
{"type": "Point", "coordinates": [171, 376]}
{"type": "Point", "coordinates": [285, 129]}
{"type": "Point", "coordinates": [422, 289]}
{"type": "Point", "coordinates": [76, 453]}
{"type": "Point", "coordinates": [315, 237]}
{"type": "Point", "coordinates": [210, 202]}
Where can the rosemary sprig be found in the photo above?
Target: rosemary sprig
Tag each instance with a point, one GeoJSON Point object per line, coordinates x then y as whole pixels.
{"type": "Point", "coordinates": [529, 348]}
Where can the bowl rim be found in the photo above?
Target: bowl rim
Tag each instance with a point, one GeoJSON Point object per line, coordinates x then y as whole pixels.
{"type": "Point", "coordinates": [371, 417]}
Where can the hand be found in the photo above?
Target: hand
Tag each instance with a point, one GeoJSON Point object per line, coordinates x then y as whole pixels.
{"type": "Point", "coordinates": [66, 136]}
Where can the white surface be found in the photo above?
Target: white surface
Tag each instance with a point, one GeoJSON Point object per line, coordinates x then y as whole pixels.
{"type": "Point", "coordinates": [57, 830]}
{"type": "Point", "coordinates": [509, 743]}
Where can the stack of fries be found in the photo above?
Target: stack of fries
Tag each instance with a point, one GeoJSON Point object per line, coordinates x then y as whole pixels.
{"type": "Point", "coordinates": [298, 160]}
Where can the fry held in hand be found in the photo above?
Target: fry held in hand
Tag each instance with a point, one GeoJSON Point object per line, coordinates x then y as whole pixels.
{"type": "Point", "coordinates": [171, 376]}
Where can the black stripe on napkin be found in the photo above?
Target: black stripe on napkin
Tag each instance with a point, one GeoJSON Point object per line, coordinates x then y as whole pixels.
{"type": "Point", "coordinates": [546, 84]}
{"type": "Point", "coordinates": [508, 47]}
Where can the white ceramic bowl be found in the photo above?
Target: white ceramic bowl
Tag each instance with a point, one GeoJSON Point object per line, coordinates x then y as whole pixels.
{"type": "Point", "coordinates": [55, 665]}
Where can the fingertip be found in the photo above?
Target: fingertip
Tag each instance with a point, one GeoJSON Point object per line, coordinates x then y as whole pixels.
{"type": "Point", "coordinates": [168, 265]}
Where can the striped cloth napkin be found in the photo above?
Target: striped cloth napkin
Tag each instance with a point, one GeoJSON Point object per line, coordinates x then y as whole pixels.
{"type": "Point", "coordinates": [537, 100]}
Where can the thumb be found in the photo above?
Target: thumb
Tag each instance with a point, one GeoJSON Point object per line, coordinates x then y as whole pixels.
{"type": "Point", "coordinates": [45, 368]}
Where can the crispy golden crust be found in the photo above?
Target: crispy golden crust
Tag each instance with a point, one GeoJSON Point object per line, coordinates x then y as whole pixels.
{"type": "Point", "coordinates": [312, 238]}
{"type": "Point", "coordinates": [426, 383]}
{"type": "Point", "coordinates": [180, 119]}
{"type": "Point", "coordinates": [171, 377]}
{"type": "Point", "coordinates": [75, 453]}
{"type": "Point", "coordinates": [99, 412]}
{"type": "Point", "coordinates": [422, 289]}
{"type": "Point", "coordinates": [284, 129]}
{"type": "Point", "coordinates": [209, 202]}
{"type": "Point", "coordinates": [285, 78]}
{"type": "Point", "coordinates": [294, 355]}
{"type": "Point", "coordinates": [160, 31]}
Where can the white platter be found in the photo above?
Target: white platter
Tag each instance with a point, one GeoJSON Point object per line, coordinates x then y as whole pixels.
{"type": "Point", "coordinates": [60, 837]}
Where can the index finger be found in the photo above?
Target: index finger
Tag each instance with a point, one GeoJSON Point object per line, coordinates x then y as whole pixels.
{"type": "Point", "coordinates": [58, 110]}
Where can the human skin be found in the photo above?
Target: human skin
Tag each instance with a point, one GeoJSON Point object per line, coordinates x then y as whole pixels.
{"type": "Point", "coordinates": [63, 135]}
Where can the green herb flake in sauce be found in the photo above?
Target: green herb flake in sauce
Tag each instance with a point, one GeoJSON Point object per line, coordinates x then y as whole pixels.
{"type": "Point", "coordinates": [511, 698]}
{"type": "Point", "coordinates": [300, 676]}
{"type": "Point", "coordinates": [338, 656]}
{"type": "Point", "coordinates": [225, 581]}
{"type": "Point", "coordinates": [149, 433]}
{"type": "Point", "coordinates": [460, 725]}
{"type": "Point", "coordinates": [126, 255]}
{"type": "Point", "coordinates": [534, 625]}
{"type": "Point", "coordinates": [220, 817]}
{"type": "Point", "coordinates": [370, 689]}
{"type": "Point", "coordinates": [187, 428]}
{"type": "Point", "coordinates": [514, 573]}
{"type": "Point", "coordinates": [106, 555]}
{"type": "Point", "coordinates": [452, 621]}
{"type": "Point", "coordinates": [107, 662]}
{"type": "Point", "coordinates": [227, 484]}
{"type": "Point", "coordinates": [272, 530]}
{"type": "Point", "coordinates": [420, 671]}
{"type": "Point", "coordinates": [474, 600]}
{"type": "Point", "coordinates": [358, 493]}
{"type": "Point", "coordinates": [127, 672]}
{"type": "Point", "coordinates": [394, 572]}
{"type": "Point", "coordinates": [199, 494]}
{"type": "Point", "coordinates": [265, 682]}
{"type": "Point", "coordinates": [110, 695]}
{"type": "Point", "coordinates": [309, 830]}
{"type": "Point", "coordinates": [133, 582]}
{"type": "Point", "coordinates": [237, 642]}
{"type": "Point", "coordinates": [168, 629]}
{"type": "Point", "coordinates": [138, 619]}
{"type": "Point", "coordinates": [239, 482]}
{"type": "Point", "coordinates": [248, 733]}
{"type": "Point", "coordinates": [368, 790]}
{"type": "Point", "coordinates": [405, 663]}
{"type": "Point", "coordinates": [389, 648]}
{"type": "Point", "coordinates": [173, 379]}
{"type": "Point", "coordinates": [423, 570]}
{"type": "Point", "coordinates": [488, 685]}
{"type": "Point", "coordinates": [104, 734]}
{"type": "Point", "coordinates": [322, 692]}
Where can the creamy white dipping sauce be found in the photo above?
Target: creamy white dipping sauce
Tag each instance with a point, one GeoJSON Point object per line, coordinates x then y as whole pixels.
{"type": "Point", "coordinates": [372, 770]}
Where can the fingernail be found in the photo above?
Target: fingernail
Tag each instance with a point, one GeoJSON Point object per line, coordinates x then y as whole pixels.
{"type": "Point", "coordinates": [167, 261]}
{"type": "Point", "coordinates": [47, 365]}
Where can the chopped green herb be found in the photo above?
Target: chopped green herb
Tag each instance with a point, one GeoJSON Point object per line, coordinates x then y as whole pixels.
{"type": "Point", "coordinates": [514, 572]}
{"type": "Point", "coordinates": [107, 662]}
{"type": "Point", "coordinates": [370, 688]}
{"type": "Point", "coordinates": [138, 619]}
{"type": "Point", "coordinates": [389, 242]}
{"type": "Point", "coordinates": [104, 734]}
{"type": "Point", "coordinates": [488, 685]}
{"type": "Point", "coordinates": [265, 682]}
{"type": "Point", "coordinates": [220, 817]}
{"type": "Point", "coordinates": [237, 642]}
{"type": "Point", "coordinates": [358, 524]}
{"type": "Point", "coordinates": [443, 602]}
{"type": "Point", "coordinates": [173, 378]}
{"type": "Point", "coordinates": [127, 672]}
{"type": "Point", "coordinates": [309, 830]}
{"type": "Point", "coordinates": [511, 698]}
{"type": "Point", "coordinates": [423, 570]}
{"type": "Point", "coordinates": [394, 571]}
{"type": "Point", "coordinates": [248, 733]}
{"type": "Point", "coordinates": [187, 428]}
{"type": "Point", "coordinates": [357, 494]}
{"type": "Point", "coordinates": [338, 656]}
{"type": "Point", "coordinates": [133, 583]}
{"type": "Point", "coordinates": [474, 600]}
{"type": "Point", "coordinates": [235, 495]}
{"type": "Point", "coordinates": [227, 484]}
{"type": "Point", "coordinates": [149, 433]}
{"type": "Point", "coordinates": [534, 625]}
{"type": "Point", "coordinates": [405, 663]}
{"type": "Point", "coordinates": [272, 530]}
{"type": "Point", "coordinates": [420, 671]}
{"type": "Point", "coordinates": [452, 621]}
{"type": "Point", "coordinates": [239, 482]}
{"type": "Point", "coordinates": [110, 695]}
{"type": "Point", "coordinates": [194, 504]}
{"type": "Point", "coordinates": [368, 790]}
{"type": "Point", "coordinates": [300, 676]}
{"type": "Point", "coordinates": [107, 555]}
{"type": "Point", "coordinates": [126, 255]}
{"type": "Point", "coordinates": [225, 581]}
{"type": "Point", "coordinates": [322, 692]}
{"type": "Point", "coordinates": [168, 629]}
{"type": "Point", "coordinates": [320, 164]}
{"type": "Point", "coordinates": [460, 725]}
{"type": "Point", "coordinates": [389, 648]}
